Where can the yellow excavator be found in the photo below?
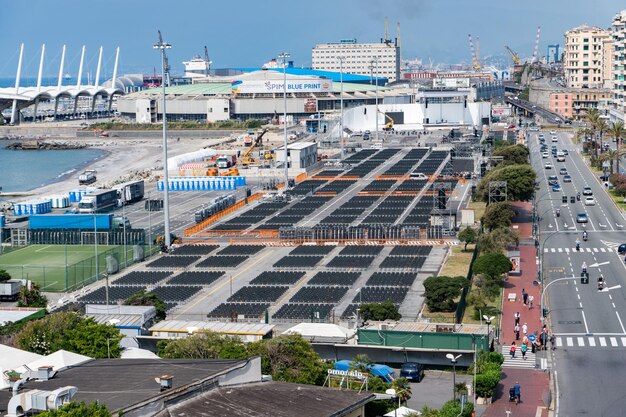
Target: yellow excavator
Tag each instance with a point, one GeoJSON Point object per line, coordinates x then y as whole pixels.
{"type": "Point", "coordinates": [247, 159]}
{"type": "Point", "coordinates": [389, 125]}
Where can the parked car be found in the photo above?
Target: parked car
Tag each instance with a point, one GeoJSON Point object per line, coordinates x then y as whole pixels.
{"type": "Point", "coordinates": [413, 371]}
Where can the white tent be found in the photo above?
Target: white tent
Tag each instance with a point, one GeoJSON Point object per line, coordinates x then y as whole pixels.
{"type": "Point", "coordinates": [136, 353]}
{"type": "Point", "coordinates": [12, 358]}
{"type": "Point", "coordinates": [321, 332]}
{"type": "Point", "coordinates": [402, 412]}
{"type": "Point", "coordinates": [59, 360]}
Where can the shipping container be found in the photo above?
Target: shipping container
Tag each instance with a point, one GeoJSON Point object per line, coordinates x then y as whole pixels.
{"type": "Point", "coordinates": [98, 201]}
{"type": "Point", "coordinates": [129, 192]}
{"type": "Point", "coordinates": [71, 221]}
{"type": "Point", "coordinates": [9, 290]}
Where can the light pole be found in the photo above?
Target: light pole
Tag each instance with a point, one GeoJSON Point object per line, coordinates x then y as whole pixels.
{"type": "Point", "coordinates": [488, 320]}
{"type": "Point", "coordinates": [341, 102]}
{"type": "Point", "coordinates": [375, 66]}
{"type": "Point", "coordinates": [454, 360]}
{"type": "Point", "coordinates": [162, 46]}
{"type": "Point", "coordinates": [284, 57]}
{"type": "Point", "coordinates": [95, 242]}
{"type": "Point", "coordinates": [359, 307]}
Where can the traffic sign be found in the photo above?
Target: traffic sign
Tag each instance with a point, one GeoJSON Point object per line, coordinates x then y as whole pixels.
{"type": "Point", "coordinates": [532, 338]}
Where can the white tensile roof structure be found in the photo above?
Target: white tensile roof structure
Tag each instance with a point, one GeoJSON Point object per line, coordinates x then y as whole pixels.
{"type": "Point", "coordinates": [321, 332]}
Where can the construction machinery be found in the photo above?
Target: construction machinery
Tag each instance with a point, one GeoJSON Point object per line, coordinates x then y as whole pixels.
{"type": "Point", "coordinates": [475, 54]}
{"type": "Point", "coordinates": [514, 55]}
{"type": "Point", "coordinates": [230, 172]}
{"type": "Point", "coordinates": [247, 158]}
{"type": "Point", "coordinates": [389, 125]}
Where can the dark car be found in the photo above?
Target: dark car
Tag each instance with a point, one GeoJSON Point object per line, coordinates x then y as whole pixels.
{"type": "Point", "coordinates": [622, 249]}
{"type": "Point", "coordinates": [412, 371]}
{"type": "Point", "coordinates": [553, 180]}
{"type": "Point", "coordinates": [565, 152]}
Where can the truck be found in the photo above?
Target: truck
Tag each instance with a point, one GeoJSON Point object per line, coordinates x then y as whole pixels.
{"type": "Point", "coordinates": [87, 177]}
{"type": "Point", "coordinates": [129, 192]}
{"type": "Point", "coordinates": [98, 201]}
{"type": "Point", "coordinates": [10, 290]}
{"type": "Point", "coordinates": [226, 161]}
{"type": "Point", "coordinates": [71, 221]}
{"type": "Point", "coordinates": [120, 223]}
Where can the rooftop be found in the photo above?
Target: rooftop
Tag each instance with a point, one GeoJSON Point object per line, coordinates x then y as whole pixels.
{"type": "Point", "coordinates": [260, 329]}
{"type": "Point", "coordinates": [14, 314]}
{"type": "Point", "coordinates": [276, 399]}
{"type": "Point", "coordinates": [429, 327]}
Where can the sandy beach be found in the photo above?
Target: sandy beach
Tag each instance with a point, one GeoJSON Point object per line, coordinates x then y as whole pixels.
{"type": "Point", "coordinates": [123, 157]}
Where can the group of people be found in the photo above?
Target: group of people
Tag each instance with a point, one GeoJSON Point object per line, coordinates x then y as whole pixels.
{"type": "Point", "coordinates": [527, 299]}
{"type": "Point", "coordinates": [539, 342]}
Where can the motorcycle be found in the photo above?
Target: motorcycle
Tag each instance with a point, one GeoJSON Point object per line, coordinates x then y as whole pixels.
{"type": "Point", "coordinates": [558, 213]}
{"type": "Point", "coordinates": [585, 236]}
{"type": "Point", "coordinates": [578, 247]}
{"type": "Point", "coordinates": [601, 283]}
{"type": "Point", "coordinates": [578, 197]}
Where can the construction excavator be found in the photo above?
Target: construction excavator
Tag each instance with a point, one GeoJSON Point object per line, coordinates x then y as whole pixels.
{"type": "Point", "coordinates": [247, 159]}
{"type": "Point", "coordinates": [389, 125]}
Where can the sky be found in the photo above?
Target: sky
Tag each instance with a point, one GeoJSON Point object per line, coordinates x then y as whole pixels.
{"type": "Point", "coordinates": [248, 33]}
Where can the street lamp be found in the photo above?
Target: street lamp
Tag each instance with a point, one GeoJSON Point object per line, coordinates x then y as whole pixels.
{"type": "Point", "coordinates": [488, 320]}
{"type": "Point", "coordinates": [284, 57]}
{"type": "Point", "coordinates": [341, 101]}
{"type": "Point", "coordinates": [374, 65]}
{"type": "Point", "coordinates": [162, 46]}
{"type": "Point", "coordinates": [112, 322]}
{"type": "Point", "coordinates": [454, 360]}
{"type": "Point", "coordinates": [395, 394]}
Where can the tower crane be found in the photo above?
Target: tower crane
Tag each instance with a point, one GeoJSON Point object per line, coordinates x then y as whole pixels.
{"type": "Point", "coordinates": [536, 51]}
{"type": "Point", "coordinates": [166, 64]}
{"type": "Point", "coordinates": [475, 63]}
{"type": "Point", "coordinates": [514, 55]}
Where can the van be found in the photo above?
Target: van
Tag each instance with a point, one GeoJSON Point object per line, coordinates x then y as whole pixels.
{"type": "Point", "coordinates": [418, 176]}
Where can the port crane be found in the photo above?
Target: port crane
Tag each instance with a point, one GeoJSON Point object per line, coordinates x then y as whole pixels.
{"type": "Point", "coordinates": [475, 57]}
{"type": "Point", "coordinates": [514, 55]}
{"type": "Point", "coordinates": [166, 63]}
{"type": "Point", "coordinates": [247, 159]}
{"type": "Point", "coordinates": [207, 60]}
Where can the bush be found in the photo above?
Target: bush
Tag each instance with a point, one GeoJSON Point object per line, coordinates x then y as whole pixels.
{"type": "Point", "coordinates": [492, 264]}
{"type": "Point", "coordinates": [31, 297]}
{"type": "Point", "coordinates": [487, 382]}
{"type": "Point", "coordinates": [4, 275]}
{"type": "Point", "coordinates": [441, 292]}
{"type": "Point", "coordinates": [74, 409]}
{"type": "Point", "coordinates": [497, 215]}
{"type": "Point", "coordinates": [379, 311]}
{"type": "Point", "coordinates": [143, 298]}
{"type": "Point", "coordinates": [453, 409]}
{"type": "Point", "coordinates": [206, 345]}
{"type": "Point", "coordinates": [520, 181]}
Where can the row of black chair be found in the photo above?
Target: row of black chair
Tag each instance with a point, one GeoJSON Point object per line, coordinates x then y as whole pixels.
{"type": "Point", "coordinates": [219, 261]}
{"type": "Point", "coordinates": [380, 294]}
{"type": "Point", "coordinates": [409, 262]}
{"type": "Point", "coordinates": [312, 250]}
{"type": "Point", "coordinates": [334, 278]}
{"type": "Point", "coordinates": [392, 279]}
{"type": "Point", "coordinates": [355, 262]}
{"type": "Point", "coordinates": [196, 278]}
{"type": "Point", "coordinates": [173, 261]}
{"type": "Point", "coordinates": [195, 249]}
{"type": "Point", "coordinates": [176, 293]}
{"type": "Point", "coordinates": [241, 250]}
{"type": "Point", "coordinates": [298, 262]}
{"type": "Point", "coordinates": [304, 312]}
{"type": "Point", "coordinates": [411, 250]}
{"type": "Point", "coordinates": [258, 294]}
{"type": "Point", "coordinates": [277, 278]}
{"type": "Point", "coordinates": [235, 310]}
{"type": "Point", "coordinates": [361, 250]}
{"type": "Point", "coordinates": [142, 277]}
{"type": "Point", "coordinates": [316, 294]}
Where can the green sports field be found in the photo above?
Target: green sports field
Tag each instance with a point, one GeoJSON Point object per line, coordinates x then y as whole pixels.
{"type": "Point", "coordinates": [60, 267]}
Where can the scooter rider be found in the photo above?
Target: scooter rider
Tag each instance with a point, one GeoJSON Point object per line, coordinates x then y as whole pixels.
{"type": "Point", "coordinates": [558, 212]}
{"type": "Point", "coordinates": [578, 196]}
{"type": "Point", "coordinates": [577, 244]}
{"type": "Point", "coordinates": [585, 235]}
{"type": "Point", "coordinates": [584, 267]}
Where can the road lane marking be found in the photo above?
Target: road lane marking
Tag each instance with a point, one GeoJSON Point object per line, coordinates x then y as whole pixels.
{"type": "Point", "coordinates": [560, 250]}
{"type": "Point", "coordinates": [613, 341]}
{"type": "Point", "coordinates": [623, 341]}
{"type": "Point", "coordinates": [581, 341]}
{"type": "Point", "coordinates": [595, 250]}
{"type": "Point", "coordinates": [585, 320]}
{"type": "Point", "coordinates": [592, 341]}
{"type": "Point", "coordinates": [620, 321]}
{"type": "Point", "coordinates": [602, 341]}
{"type": "Point", "coordinates": [559, 342]}
{"type": "Point", "coordinates": [570, 341]}
{"type": "Point", "coordinates": [602, 250]}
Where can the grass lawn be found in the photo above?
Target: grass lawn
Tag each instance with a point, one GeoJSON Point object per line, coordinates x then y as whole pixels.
{"type": "Point", "coordinates": [46, 264]}
{"type": "Point", "coordinates": [479, 209]}
{"type": "Point", "coordinates": [458, 261]}
{"type": "Point", "coordinates": [493, 309]}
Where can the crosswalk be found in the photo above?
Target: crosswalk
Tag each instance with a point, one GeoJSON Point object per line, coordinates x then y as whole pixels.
{"type": "Point", "coordinates": [518, 361]}
{"type": "Point", "coordinates": [591, 341]}
{"type": "Point", "coordinates": [582, 250]}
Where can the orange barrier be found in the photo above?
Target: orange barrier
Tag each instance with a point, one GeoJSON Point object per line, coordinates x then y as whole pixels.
{"type": "Point", "coordinates": [372, 193]}
{"type": "Point", "coordinates": [344, 242]}
{"type": "Point", "coordinates": [208, 221]}
{"type": "Point", "coordinates": [301, 177]}
{"type": "Point", "coordinates": [393, 177]}
{"type": "Point", "coordinates": [264, 234]}
{"type": "Point", "coordinates": [334, 178]}
{"type": "Point", "coordinates": [326, 193]}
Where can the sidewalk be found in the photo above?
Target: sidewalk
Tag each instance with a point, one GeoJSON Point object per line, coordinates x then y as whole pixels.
{"type": "Point", "coordinates": [534, 383]}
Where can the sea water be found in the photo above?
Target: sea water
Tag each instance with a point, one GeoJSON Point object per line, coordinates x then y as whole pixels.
{"type": "Point", "coordinates": [25, 170]}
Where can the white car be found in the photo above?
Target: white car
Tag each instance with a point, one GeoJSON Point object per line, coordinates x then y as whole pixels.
{"type": "Point", "coordinates": [590, 201]}
{"type": "Point", "coordinates": [545, 155]}
{"type": "Point", "coordinates": [553, 132]}
{"type": "Point", "coordinates": [555, 139]}
{"type": "Point", "coordinates": [548, 165]}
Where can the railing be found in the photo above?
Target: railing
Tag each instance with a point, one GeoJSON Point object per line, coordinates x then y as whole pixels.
{"type": "Point", "coordinates": [206, 222]}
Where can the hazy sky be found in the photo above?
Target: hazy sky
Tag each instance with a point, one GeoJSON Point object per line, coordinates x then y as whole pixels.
{"type": "Point", "coordinates": [249, 33]}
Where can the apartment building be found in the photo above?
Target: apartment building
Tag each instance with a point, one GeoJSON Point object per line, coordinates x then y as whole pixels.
{"type": "Point", "coordinates": [584, 59]}
{"type": "Point", "coordinates": [618, 99]}
{"type": "Point", "coordinates": [380, 60]}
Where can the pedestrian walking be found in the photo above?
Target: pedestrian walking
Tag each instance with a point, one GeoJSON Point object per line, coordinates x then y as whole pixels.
{"type": "Point", "coordinates": [524, 296]}
{"type": "Point", "coordinates": [512, 350]}
{"type": "Point", "coordinates": [525, 340]}
{"type": "Point", "coordinates": [525, 329]}
{"type": "Point", "coordinates": [524, 351]}
{"type": "Point", "coordinates": [517, 316]}
{"type": "Point", "coordinates": [531, 298]}
{"type": "Point", "coordinates": [516, 330]}
{"type": "Point", "coordinates": [553, 342]}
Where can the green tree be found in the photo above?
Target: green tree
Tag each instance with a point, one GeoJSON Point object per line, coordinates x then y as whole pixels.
{"type": "Point", "coordinates": [31, 297]}
{"type": "Point", "coordinates": [69, 331]}
{"type": "Point", "coordinates": [498, 215]}
{"type": "Point", "coordinates": [290, 358]}
{"type": "Point", "coordinates": [205, 345]}
{"type": "Point", "coordinates": [492, 264]}
{"type": "Point", "coordinates": [453, 409]}
{"type": "Point", "coordinates": [467, 236]}
{"type": "Point", "coordinates": [74, 409]}
{"type": "Point", "coordinates": [143, 298]}
{"type": "Point", "coordinates": [497, 240]}
{"type": "Point", "coordinates": [520, 181]}
{"type": "Point", "coordinates": [429, 412]}
{"type": "Point", "coordinates": [609, 156]}
{"type": "Point", "coordinates": [362, 363]}
{"type": "Point", "coordinates": [441, 292]}
{"type": "Point", "coordinates": [403, 389]}
{"type": "Point", "coordinates": [4, 275]}
{"type": "Point", "coordinates": [512, 154]}
{"type": "Point", "coordinates": [386, 310]}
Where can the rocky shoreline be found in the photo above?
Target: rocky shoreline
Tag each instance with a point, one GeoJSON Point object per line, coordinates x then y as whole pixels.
{"type": "Point", "coordinates": [45, 145]}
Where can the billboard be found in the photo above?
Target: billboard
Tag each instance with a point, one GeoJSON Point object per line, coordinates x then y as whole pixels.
{"type": "Point", "coordinates": [301, 85]}
{"type": "Point", "coordinates": [451, 82]}
{"type": "Point", "coordinates": [500, 111]}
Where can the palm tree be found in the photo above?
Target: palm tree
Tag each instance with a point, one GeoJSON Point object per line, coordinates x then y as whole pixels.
{"type": "Point", "coordinates": [617, 131]}
{"type": "Point", "coordinates": [609, 156]}
{"type": "Point", "coordinates": [403, 389]}
{"type": "Point", "coordinates": [602, 128]}
{"type": "Point", "coordinates": [361, 363]}
{"type": "Point", "coordinates": [594, 117]}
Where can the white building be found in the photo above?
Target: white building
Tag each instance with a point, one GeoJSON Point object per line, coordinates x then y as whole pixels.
{"type": "Point", "coordinates": [359, 58]}
{"type": "Point", "coordinates": [618, 102]}
{"type": "Point", "coordinates": [302, 155]}
{"type": "Point", "coordinates": [431, 109]}
{"type": "Point", "coordinates": [584, 57]}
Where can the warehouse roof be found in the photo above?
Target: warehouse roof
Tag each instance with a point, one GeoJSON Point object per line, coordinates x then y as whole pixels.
{"type": "Point", "coordinates": [260, 329]}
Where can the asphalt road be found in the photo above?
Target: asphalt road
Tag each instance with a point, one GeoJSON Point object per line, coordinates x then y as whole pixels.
{"type": "Point", "coordinates": [589, 325]}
